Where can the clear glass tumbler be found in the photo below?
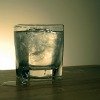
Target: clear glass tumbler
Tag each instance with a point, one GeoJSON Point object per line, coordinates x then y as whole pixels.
{"type": "Point", "coordinates": [39, 52]}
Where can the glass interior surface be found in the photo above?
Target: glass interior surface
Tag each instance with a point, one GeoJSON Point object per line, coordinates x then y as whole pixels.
{"type": "Point", "coordinates": [39, 52]}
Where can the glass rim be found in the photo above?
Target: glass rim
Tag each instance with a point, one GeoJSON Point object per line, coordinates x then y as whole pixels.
{"type": "Point", "coordinates": [34, 27]}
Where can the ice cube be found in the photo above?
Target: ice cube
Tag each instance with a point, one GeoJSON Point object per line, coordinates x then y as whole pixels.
{"type": "Point", "coordinates": [42, 48]}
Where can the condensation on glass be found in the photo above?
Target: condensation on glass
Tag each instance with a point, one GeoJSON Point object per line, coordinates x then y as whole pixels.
{"type": "Point", "coordinates": [39, 52]}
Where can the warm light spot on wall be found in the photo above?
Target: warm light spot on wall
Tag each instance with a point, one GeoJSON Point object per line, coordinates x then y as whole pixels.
{"type": "Point", "coordinates": [7, 58]}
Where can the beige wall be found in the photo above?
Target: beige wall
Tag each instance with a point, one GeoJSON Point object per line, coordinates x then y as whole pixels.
{"type": "Point", "coordinates": [80, 17]}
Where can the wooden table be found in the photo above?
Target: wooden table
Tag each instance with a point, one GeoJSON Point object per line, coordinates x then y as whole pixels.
{"type": "Point", "coordinates": [78, 83]}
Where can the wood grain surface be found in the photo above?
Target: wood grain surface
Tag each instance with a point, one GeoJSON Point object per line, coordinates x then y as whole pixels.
{"type": "Point", "coordinates": [78, 83]}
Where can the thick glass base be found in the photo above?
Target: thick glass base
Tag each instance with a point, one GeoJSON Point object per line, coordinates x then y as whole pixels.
{"type": "Point", "coordinates": [34, 77]}
{"type": "Point", "coordinates": [37, 76]}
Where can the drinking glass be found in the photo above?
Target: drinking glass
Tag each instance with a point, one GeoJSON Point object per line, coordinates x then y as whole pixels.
{"type": "Point", "coordinates": [39, 52]}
